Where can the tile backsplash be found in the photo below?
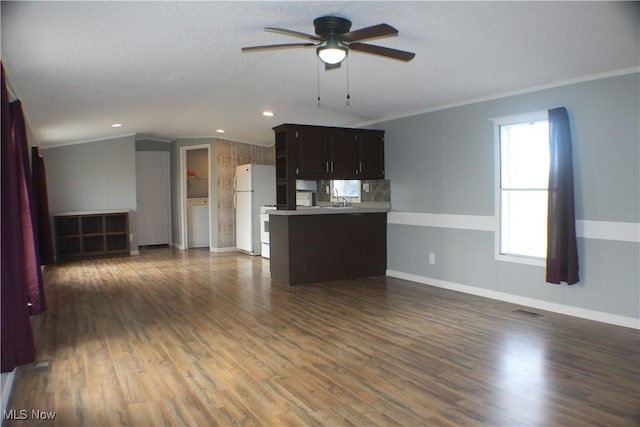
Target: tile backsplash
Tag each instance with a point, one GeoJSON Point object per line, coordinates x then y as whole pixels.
{"type": "Point", "coordinates": [379, 191]}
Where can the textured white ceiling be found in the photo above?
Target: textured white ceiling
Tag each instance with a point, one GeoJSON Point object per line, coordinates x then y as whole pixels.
{"type": "Point", "coordinates": [174, 69]}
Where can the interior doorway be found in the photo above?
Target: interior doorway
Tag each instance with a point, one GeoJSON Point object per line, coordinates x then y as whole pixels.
{"type": "Point", "coordinates": [195, 186]}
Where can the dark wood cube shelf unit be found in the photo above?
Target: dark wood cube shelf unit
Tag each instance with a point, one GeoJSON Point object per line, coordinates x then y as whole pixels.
{"type": "Point", "coordinates": [91, 235]}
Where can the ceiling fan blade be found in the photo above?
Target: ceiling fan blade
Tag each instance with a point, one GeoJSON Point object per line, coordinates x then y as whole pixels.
{"type": "Point", "coordinates": [382, 51]}
{"type": "Point", "coordinates": [292, 33]}
{"type": "Point", "coordinates": [380, 30]}
{"type": "Point", "coordinates": [275, 46]}
{"type": "Point", "coordinates": [328, 67]}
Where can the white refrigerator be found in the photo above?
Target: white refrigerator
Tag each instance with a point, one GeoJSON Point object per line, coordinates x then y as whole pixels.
{"type": "Point", "coordinates": [255, 186]}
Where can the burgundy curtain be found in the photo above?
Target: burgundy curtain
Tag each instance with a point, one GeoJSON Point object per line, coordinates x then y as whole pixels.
{"type": "Point", "coordinates": [562, 248]}
{"type": "Point", "coordinates": [30, 255]}
{"type": "Point", "coordinates": [41, 208]}
{"type": "Point", "coordinates": [17, 336]}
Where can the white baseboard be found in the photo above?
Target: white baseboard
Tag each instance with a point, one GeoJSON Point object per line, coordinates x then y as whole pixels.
{"type": "Point", "coordinates": [598, 316]}
{"type": "Point", "coordinates": [182, 248]}
{"type": "Point", "coordinates": [223, 249]}
{"type": "Point", "coordinates": [135, 252]}
{"type": "Point", "coordinates": [7, 387]}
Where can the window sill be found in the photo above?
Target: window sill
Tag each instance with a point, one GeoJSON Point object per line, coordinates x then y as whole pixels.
{"type": "Point", "coordinates": [538, 262]}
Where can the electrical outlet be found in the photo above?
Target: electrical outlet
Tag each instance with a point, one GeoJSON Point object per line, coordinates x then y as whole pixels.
{"type": "Point", "coordinates": [327, 189]}
{"type": "Point", "coordinates": [365, 187]}
{"type": "Point", "coordinates": [432, 258]}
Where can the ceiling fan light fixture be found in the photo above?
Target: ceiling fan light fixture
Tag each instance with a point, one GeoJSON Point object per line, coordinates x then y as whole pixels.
{"type": "Point", "coordinates": [332, 55]}
{"type": "Point", "coordinates": [332, 52]}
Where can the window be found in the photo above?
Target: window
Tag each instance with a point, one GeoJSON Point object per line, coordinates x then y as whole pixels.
{"type": "Point", "coordinates": [523, 180]}
{"type": "Point", "coordinates": [349, 189]}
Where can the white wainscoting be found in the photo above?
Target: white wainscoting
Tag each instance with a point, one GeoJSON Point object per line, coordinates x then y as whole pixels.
{"type": "Point", "coordinates": [587, 229]}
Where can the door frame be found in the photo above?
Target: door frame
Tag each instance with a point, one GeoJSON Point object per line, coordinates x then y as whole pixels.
{"type": "Point", "coordinates": [183, 192]}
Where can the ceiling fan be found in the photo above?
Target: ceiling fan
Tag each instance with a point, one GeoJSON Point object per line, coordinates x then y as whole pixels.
{"type": "Point", "coordinates": [334, 40]}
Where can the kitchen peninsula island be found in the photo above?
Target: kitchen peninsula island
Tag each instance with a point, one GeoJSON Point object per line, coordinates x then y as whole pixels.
{"type": "Point", "coordinates": [321, 244]}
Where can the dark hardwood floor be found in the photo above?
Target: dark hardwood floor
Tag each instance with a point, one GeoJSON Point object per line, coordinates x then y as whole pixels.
{"type": "Point", "coordinates": [199, 339]}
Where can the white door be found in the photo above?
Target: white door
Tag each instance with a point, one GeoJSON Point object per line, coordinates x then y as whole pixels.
{"type": "Point", "coordinates": [244, 220]}
{"type": "Point", "coordinates": [153, 189]}
{"type": "Point", "coordinates": [198, 226]}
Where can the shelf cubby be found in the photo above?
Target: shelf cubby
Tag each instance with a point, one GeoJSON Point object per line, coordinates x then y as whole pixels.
{"type": "Point", "coordinates": [91, 235]}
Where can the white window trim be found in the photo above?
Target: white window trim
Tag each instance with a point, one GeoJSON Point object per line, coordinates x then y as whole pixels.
{"type": "Point", "coordinates": [497, 122]}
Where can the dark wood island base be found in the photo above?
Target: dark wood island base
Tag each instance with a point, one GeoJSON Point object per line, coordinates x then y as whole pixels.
{"type": "Point", "coordinates": [309, 248]}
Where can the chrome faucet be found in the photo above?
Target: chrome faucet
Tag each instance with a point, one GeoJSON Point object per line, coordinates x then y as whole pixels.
{"type": "Point", "coordinates": [335, 195]}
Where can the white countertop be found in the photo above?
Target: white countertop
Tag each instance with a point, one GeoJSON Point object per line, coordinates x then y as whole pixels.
{"type": "Point", "coordinates": [317, 210]}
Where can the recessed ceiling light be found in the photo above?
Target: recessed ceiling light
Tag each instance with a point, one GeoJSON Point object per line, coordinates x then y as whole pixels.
{"type": "Point", "coordinates": [220, 130]}
{"type": "Point", "coordinates": [116, 125]}
{"type": "Point", "coordinates": [267, 113]}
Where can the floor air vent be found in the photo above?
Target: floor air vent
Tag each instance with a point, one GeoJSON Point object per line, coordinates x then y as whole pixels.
{"type": "Point", "coordinates": [527, 313]}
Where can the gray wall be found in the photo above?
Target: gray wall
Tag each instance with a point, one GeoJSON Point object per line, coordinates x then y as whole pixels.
{"type": "Point", "coordinates": [101, 175]}
{"type": "Point", "coordinates": [147, 144]}
{"type": "Point", "coordinates": [443, 163]}
{"type": "Point", "coordinates": [93, 176]}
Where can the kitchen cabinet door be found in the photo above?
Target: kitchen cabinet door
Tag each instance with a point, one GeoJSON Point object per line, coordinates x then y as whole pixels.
{"type": "Point", "coordinates": [317, 248]}
{"type": "Point", "coordinates": [313, 162]}
{"type": "Point", "coordinates": [370, 155]}
{"type": "Point", "coordinates": [365, 245]}
{"type": "Point", "coordinates": [343, 151]}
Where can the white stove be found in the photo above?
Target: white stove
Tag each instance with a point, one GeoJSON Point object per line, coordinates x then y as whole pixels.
{"type": "Point", "coordinates": [264, 229]}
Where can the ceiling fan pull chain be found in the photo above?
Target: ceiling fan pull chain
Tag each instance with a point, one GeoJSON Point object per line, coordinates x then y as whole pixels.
{"type": "Point", "coordinates": [348, 91]}
{"type": "Point", "coordinates": [318, 73]}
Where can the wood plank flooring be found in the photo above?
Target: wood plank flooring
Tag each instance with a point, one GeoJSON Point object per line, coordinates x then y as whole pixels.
{"type": "Point", "coordinates": [191, 338]}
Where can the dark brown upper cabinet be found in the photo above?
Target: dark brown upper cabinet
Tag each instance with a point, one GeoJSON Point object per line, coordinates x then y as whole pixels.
{"type": "Point", "coordinates": [342, 154]}
{"type": "Point", "coordinates": [319, 152]}
{"type": "Point", "coordinates": [370, 149]}
{"type": "Point", "coordinates": [313, 155]}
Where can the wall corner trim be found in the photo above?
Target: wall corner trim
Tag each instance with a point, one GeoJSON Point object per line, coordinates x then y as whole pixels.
{"type": "Point", "coordinates": [598, 316]}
